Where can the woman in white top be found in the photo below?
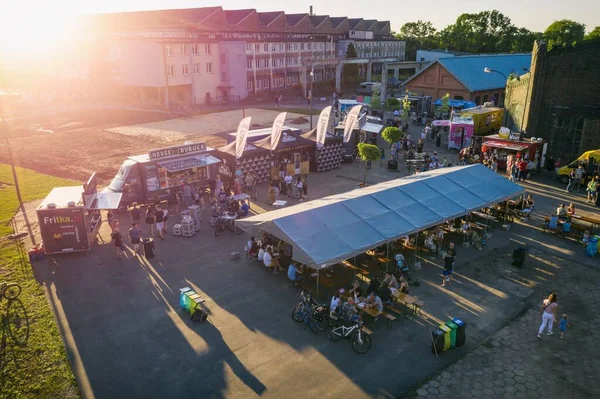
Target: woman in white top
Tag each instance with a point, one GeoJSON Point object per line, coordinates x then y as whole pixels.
{"type": "Point", "coordinates": [261, 254]}
{"type": "Point", "coordinates": [300, 185]}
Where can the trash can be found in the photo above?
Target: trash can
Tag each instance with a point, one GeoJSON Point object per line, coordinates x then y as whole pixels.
{"type": "Point", "coordinates": [182, 296]}
{"type": "Point", "coordinates": [392, 165]}
{"type": "Point", "coordinates": [461, 334]}
{"type": "Point", "coordinates": [519, 256]}
{"type": "Point", "coordinates": [592, 247]}
{"type": "Point", "coordinates": [453, 327]}
{"type": "Point", "coordinates": [148, 244]}
{"type": "Point", "coordinates": [437, 344]}
{"type": "Point", "coordinates": [446, 331]}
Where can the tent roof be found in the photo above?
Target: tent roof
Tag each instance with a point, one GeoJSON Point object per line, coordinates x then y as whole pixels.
{"type": "Point", "coordinates": [331, 229]}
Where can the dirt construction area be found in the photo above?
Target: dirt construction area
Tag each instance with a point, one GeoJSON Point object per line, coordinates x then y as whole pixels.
{"type": "Point", "coordinates": [74, 144]}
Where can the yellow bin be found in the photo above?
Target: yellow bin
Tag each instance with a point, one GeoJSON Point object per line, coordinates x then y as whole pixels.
{"type": "Point", "coordinates": [447, 332]}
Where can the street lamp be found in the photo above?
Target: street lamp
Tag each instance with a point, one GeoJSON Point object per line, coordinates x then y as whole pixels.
{"type": "Point", "coordinates": [490, 70]}
{"type": "Point", "coordinates": [312, 79]}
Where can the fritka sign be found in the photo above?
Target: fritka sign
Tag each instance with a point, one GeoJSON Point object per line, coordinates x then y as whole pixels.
{"type": "Point", "coordinates": [60, 219]}
{"type": "Point", "coordinates": [185, 149]}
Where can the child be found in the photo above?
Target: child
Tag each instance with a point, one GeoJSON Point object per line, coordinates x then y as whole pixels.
{"type": "Point", "coordinates": [585, 239]}
{"type": "Point", "coordinates": [562, 326]}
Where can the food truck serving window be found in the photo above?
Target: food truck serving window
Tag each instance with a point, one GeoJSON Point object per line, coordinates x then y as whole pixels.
{"type": "Point", "coordinates": [118, 181]}
{"type": "Point", "coordinates": [192, 169]}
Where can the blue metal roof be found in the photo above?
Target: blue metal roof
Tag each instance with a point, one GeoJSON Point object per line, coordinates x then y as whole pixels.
{"type": "Point", "coordinates": [468, 69]}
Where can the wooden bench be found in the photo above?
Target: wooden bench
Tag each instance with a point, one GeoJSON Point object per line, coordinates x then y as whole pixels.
{"type": "Point", "coordinates": [389, 319]}
{"type": "Point", "coordinates": [409, 301]}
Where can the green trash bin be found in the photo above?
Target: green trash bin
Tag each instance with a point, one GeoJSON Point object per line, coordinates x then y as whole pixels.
{"type": "Point", "coordinates": [453, 328]}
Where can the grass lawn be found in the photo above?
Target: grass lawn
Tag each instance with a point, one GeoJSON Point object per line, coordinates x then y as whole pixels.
{"type": "Point", "coordinates": [33, 186]}
{"type": "Point", "coordinates": [33, 361]}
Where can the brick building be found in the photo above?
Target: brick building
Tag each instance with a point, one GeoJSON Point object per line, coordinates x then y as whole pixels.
{"type": "Point", "coordinates": [208, 55]}
{"type": "Point", "coordinates": [559, 99]}
{"type": "Point", "coordinates": [464, 78]}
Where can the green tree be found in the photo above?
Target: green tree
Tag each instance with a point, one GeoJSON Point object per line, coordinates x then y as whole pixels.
{"type": "Point", "coordinates": [564, 32]}
{"type": "Point", "coordinates": [392, 134]}
{"type": "Point", "coordinates": [418, 35]}
{"type": "Point", "coordinates": [376, 98]}
{"type": "Point", "coordinates": [445, 103]}
{"type": "Point", "coordinates": [350, 70]}
{"type": "Point", "coordinates": [405, 108]}
{"type": "Point", "coordinates": [595, 34]}
{"type": "Point", "coordinates": [523, 40]}
{"type": "Point", "coordinates": [368, 152]}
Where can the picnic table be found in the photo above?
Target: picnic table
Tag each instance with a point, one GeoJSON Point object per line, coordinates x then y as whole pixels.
{"type": "Point", "coordinates": [371, 311]}
{"type": "Point", "coordinates": [404, 298]}
{"type": "Point", "coordinates": [593, 221]}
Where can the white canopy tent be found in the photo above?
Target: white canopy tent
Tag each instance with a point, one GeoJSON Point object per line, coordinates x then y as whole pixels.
{"type": "Point", "coordinates": [331, 229]}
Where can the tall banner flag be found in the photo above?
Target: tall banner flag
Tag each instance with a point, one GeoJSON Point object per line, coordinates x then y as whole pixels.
{"type": "Point", "coordinates": [241, 136]}
{"type": "Point", "coordinates": [322, 124]}
{"type": "Point", "coordinates": [277, 128]}
{"type": "Point", "coordinates": [350, 122]}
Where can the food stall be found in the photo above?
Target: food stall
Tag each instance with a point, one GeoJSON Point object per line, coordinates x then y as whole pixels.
{"type": "Point", "coordinates": [154, 176]}
{"type": "Point", "coordinates": [327, 157]}
{"type": "Point", "coordinates": [254, 160]}
{"type": "Point", "coordinates": [292, 154]}
{"type": "Point", "coordinates": [485, 119]}
{"type": "Point", "coordinates": [365, 130]}
{"type": "Point", "coordinates": [503, 145]}
{"type": "Point", "coordinates": [69, 217]}
{"type": "Point", "coordinates": [461, 131]}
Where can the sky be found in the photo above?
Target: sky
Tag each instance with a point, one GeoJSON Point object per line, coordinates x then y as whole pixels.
{"type": "Point", "coordinates": [28, 23]}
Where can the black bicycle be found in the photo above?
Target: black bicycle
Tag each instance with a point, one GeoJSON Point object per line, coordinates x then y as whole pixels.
{"type": "Point", "coordinates": [314, 315]}
{"type": "Point", "coordinates": [342, 328]}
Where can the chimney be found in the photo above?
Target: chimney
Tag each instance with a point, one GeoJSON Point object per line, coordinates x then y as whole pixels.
{"type": "Point", "coordinates": [311, 12]}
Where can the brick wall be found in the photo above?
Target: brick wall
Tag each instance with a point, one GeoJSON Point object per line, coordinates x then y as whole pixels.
{"type": "Point", "coordinates": [560, 99]}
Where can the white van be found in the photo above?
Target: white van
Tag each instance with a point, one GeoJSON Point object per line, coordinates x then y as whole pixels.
{"type": "Point", "coordinates": [367, 88]}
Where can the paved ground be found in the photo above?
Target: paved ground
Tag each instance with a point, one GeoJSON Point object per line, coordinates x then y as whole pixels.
{"type": "Point", "coordinates": [126, 337]}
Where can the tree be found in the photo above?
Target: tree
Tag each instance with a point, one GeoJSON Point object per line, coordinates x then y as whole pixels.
{"type": "Point", "coordinates": [376, 99]}
{"type": "Point", "coordinates": [392, 134]}
{"type": "Point", "coordinates": [564, 32]}
{"type": "Point", "coordinates": [484, 32]}
{"type": "Point", "coordinates": [445, 103]}
{"type": "Point", "coordinates": [350, 70]}
{"type": "Point", "coordinates": [418, 35]}
{"type": "Point", "coordinates": [368, 153]}
{"type": "Point", "coordinates": [523, 40]}
{"type": "Point", "coordinates": [595, 34]}
{"type": "Point", "coordinates": [405, 108]}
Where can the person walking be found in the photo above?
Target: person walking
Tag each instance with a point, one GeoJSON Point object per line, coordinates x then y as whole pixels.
{"type": "Point", "coordinates": [572, 179]}
{"type": "Point", "coordinates": [562, 326]}
{"type": "Point", "coordinates": [254, 188]}
{"type": "Point", "coordinates": [305, 186]}
{"type": "Point", "coordinates": [135, 238]}
{"type": "Point", "coordinates": [135, 213]}
{"type": "Point", "coordinates": [579, 172]}
{"type": "Point", "coordinates": [150, 220]}
{"type": "Point", "coordinates": [448, 265]}
{"type": "Point", "coordinates": [548, 314]}
{"type": "Point", "coordinates": [188, 195]}
{"type": "Point", "coordinates": [117, 239]}
{"type": "Point", "coordinates": [591, 190]}
{"type": "Point", "coordinates": [159, 216]}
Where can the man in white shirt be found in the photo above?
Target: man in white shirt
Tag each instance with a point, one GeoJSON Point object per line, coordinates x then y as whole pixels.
{"type": "Point", "coordinates": [288, 184]}
{"type": "Point", "coordinates": [335, 302]}
{"type": "Point", "coordinates": [261, 254]}
{"type": "Point", "coordinates": [270, 261]}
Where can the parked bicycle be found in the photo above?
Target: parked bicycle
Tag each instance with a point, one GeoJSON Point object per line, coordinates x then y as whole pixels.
{"type": "Point", "coordinates": [343, 328]}
{"type": "Point", "coordinates": [311, 313]}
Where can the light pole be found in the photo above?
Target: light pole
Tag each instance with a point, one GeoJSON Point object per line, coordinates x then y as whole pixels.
{"type": "Point", "coordinates": [312, 79]}
{"type": "Point", "coordinates": [490, 70]}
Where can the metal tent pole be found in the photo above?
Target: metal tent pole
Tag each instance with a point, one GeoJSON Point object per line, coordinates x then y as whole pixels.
{"type": "Point", "coordinates": [318, 272]}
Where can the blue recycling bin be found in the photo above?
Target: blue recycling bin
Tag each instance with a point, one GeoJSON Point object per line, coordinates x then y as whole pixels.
{"type": "Point", "coordinates": [182, 296]}
{"type": "Point", "coordinates": [592, 247]}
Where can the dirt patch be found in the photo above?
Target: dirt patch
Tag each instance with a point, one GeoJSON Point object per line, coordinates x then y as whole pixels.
{"type": "Point", "coordinates": [299, 121]}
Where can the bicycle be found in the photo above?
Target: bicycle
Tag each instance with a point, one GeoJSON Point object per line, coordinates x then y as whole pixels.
{"type": "Point", "coordinates": [305, 312]}
{"type": "Point", "coordinates": [361, 341]}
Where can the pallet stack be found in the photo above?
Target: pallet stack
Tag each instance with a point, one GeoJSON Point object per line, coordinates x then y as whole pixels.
{"type": "Point", "coordinates": [196, 214]}
{"type": "Point", "coordinates": [187, 226]}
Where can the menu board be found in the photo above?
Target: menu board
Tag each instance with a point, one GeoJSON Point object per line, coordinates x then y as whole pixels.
{"type": "Point", "coordinates": [152, 180]}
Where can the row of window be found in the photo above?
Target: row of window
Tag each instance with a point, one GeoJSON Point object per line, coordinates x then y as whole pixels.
{"type": "Point", "coordinates": [183, 48]}
{"type": "Point", "coordinates": [378, 44]}
{"type": "Point", "coordinates": [273, 47]}
{"type": "Point", "coordinates": [266, 84]}
{"type": "Point", "coordinates": [185, 69]}
{"type": "Point", "coordinates": [379, 54]}
{"type": "Point", "coordinates": [271, 63]}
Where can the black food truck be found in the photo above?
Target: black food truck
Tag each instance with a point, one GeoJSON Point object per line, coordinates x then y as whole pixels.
{"type": "Point", "coordinates": [157, 175]}
{"type": "Point", "coordinates": [366, 130]}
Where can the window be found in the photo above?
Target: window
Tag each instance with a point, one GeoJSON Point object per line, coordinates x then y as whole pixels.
{"type": "Point", "coordinates": [223, 59]}
{"type": "Point", "coordinates": [273, 47]}
{"type": "Point", "coordinates": [257, 47]}
{"type": "Point", "coordinates": [257, 63]}
{"type": "Point", "coordinates": [171, 70]}
{"type": "Point", "coordinates": [207, 49]}
{"type": "Point", "coordinates": [248, 47]}
{"type": "Point", "coordinates": [478, 100]}
{"type": "Point", "coordinates": [184, 50]}
{"type": "Point", "coordinates": [223, 77]}
{"type": "Point", "coordinates": [266, 47]}
{"type": "Point", "coordinates": [280, 46]}
{"type": "Point", "coordinates": [302, 46]}
{"type": "Point", "coordinates": [196, 69]}
{"type": "Point", "coordinates": [288, 46]}
{"type": "Point", "coordinates": [289, 80]}
{"type": "Point", "coordinates": [258, 87]}
{"type": "Point", "coordinates": [265, 83]}
{"type": "Point", "coordinates": [266, 63]}
{"type": "Point", "coordinates": [169, 50]}
{"type": "Point", "coordinates": [185, 69]}
{"type": "Point", "coordinates": [209, 67]}
{"type": "Point", "coordinates": [249, 85]}
{"type": "Point", "coordinates": [273, 62]}
{"type": "Point", "coordinates": [195, 49]}
{"type": "Point", "coordinates": [249, 65]}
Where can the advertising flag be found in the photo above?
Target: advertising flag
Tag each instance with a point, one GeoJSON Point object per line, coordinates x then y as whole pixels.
{"type": "Point", "coordinates": [351, 121]}
{"type": "Point", "coordinates": [241, 136]}
{"type": "Point", "coordinates": [322, 124]}
{"type": "Point", "coordinates": [277, 128]}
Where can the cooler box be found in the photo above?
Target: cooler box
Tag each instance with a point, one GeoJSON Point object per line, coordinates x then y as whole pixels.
{"type": "Point", "coordinates": [453, 327]}
{"type": "Point", "coordinates": [446, 331]}
{"type": "Point", "coordinates": [148, 244]}
{"type": "Point", "coordinates": [461, 334]}
{"type": "Point", "coordinates": [592, 247]}
{"type": "Point", "coordinates": [438, 341]}
{"type": "Point", "coordinates": [182, 296]}
{"type": "Point", "coordinates": [392, 165]}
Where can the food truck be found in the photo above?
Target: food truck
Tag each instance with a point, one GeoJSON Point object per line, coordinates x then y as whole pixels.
{"type": "Point", "coordinates": [486, 120]}
{"type": "Point", "coordinates": [503, 145]}
{"type": "Point", "coordinates": [69, 217]}
{"type": "Point", "coordinates": [366, 130]}
{"type": "Point", "coordinates": [157, 175]}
